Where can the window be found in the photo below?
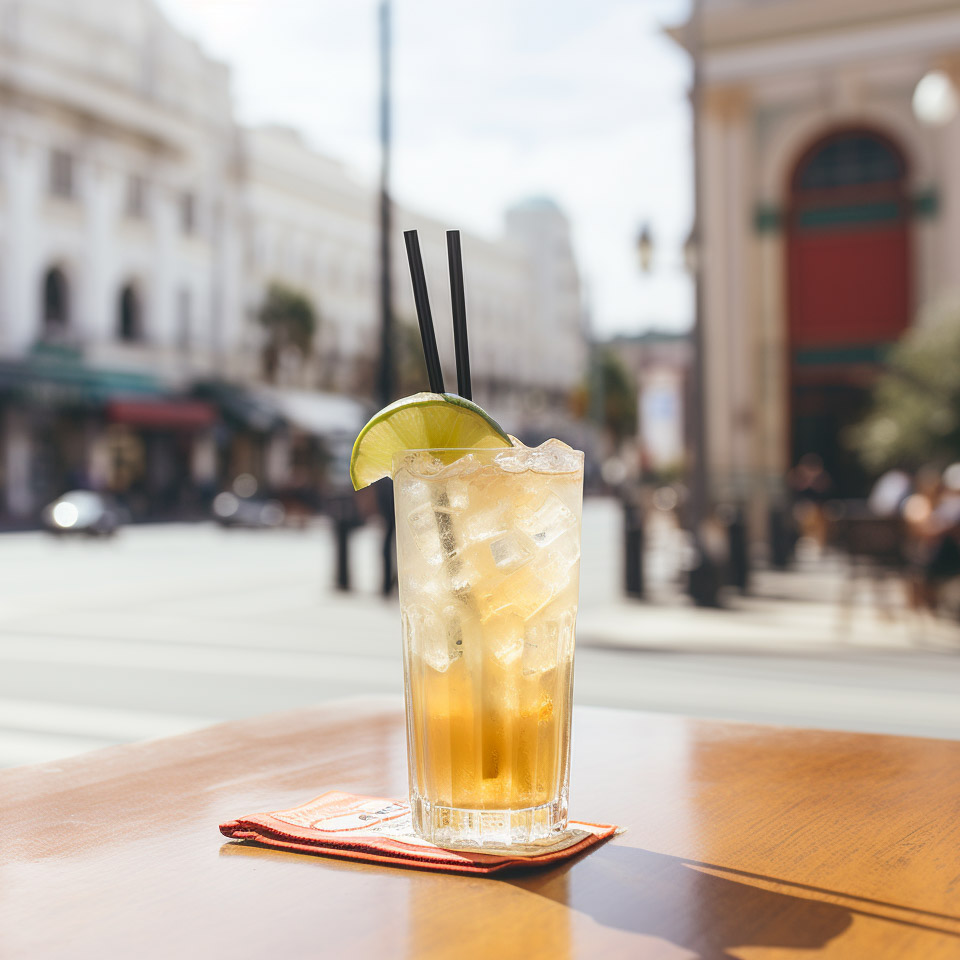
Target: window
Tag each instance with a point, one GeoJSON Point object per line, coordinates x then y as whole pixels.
{"type": "Point", "coordinates": [136, 197]}
{"type": "Point", "coordinates": [130, 327]}
{"type": "Point", "coordinates": [188, 213]}
{"type": "Point", "coordinates": [56, 302]}
{"type": "Point", "coordinates": [184, 320]}
{"type": "Point", "coordinates": [849, 159]}
{"type": "Point", "coordinates": [61, 174]}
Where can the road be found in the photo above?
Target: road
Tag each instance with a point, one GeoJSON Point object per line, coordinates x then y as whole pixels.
{"type": "Point", "coordinates": [169, 628]}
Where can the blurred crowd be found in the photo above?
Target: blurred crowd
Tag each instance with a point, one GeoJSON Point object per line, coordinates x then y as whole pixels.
{"type": "Point", "coordinates": [909, 524]}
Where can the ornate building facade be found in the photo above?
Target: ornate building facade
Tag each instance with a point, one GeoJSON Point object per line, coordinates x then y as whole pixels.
{"type": "Point", "coordinates": [140, 227]}
{"type": "Point", "coordinates": [830, 214]}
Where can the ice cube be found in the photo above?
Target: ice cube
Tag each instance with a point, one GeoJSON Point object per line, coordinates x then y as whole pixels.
{"type": "Point", "coordinates": [463, 575]}
{"type": "Point", "coordinates": [522, 593]}
{"type": "Point", "coordinates": [432, 529]}
{"type": "Point", "coordinates": [485, 524]}
{"type": "Point", "coordinates": [510, 551]}
{"type": "Point", "coordinates": [425, 636]}
{"type": "Point", "coordinates": [422, 465]}
{"type": "Point", "coordinates": [461, 630]}
{"type": "Point", "coordinates": [420, 583]}
{"type": "Point", "coordinates": [414, 490]}
{"type": "Point", "coordinates": [467, 466]}
{"type": "Point", "coordinates": [547, 522]}
{"type": "Point", "coordinates": [564, 553]}
{"type": "Point", "coordinates": [513, 459]}
{"type": "Point", "coordinates": [458, 494]}
{"type": "Point", "coordinates": [546, 642]}
{"type": "Point", "coordinates": [503, 636]}
{"type": "Point", "coordinates": [442, 468]}
{"type": "Point", "coordinates": [437, 635]}
{"type": "Point", "coordinates": [554, 456]}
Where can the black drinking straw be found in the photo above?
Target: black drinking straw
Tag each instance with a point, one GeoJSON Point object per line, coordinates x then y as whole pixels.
{"type": "Point", "coordinates": [425, 318]}
{"type": "Point", "coordinates": [459, 314]}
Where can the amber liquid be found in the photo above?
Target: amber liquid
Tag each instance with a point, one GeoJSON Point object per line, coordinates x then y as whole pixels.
{"type": "Point", "coordinates": [486, 736]}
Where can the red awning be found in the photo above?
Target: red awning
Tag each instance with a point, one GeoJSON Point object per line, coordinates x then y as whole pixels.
{"type": "Point", "coordinates": [168, 414]}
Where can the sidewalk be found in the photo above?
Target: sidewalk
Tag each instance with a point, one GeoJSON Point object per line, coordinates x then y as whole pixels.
{"type": "Point", "coordinates": [813, 607]}
{"type": "Point", "coordinates": [785, 613]}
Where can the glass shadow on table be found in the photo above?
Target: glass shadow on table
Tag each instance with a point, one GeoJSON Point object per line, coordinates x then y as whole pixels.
{"type": "Point", "coordinates": [673, 899]}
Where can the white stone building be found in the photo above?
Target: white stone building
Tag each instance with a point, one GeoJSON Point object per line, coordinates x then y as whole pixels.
{"type": "Point", "coordinates": [119, 174]}
{"type": "Point", "coordinates": [830, 215]}
{"type": "Point", "coordinates": [139, 230]}
{"type": "Point", "coordinates": [312, 226]}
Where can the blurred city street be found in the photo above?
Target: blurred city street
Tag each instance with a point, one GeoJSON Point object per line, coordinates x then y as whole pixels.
{"type": "Point", "coordinates": [168, 628]}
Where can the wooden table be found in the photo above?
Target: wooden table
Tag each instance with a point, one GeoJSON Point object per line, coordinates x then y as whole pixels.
{"type": "Point", "coordinates": [743, 841]}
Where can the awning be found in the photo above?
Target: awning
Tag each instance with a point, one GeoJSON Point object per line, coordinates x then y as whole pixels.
{"type": "Point", "coordinates": [240, 405]}
{"type": "Point", "coordinates": [60, 377]}
{"type": "Point", "coordinates": [324, 415]}
{"type": "Point", "coordinates": [163, 414]}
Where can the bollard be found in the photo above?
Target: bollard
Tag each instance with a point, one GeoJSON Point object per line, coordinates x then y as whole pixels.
{"type": "Point", "coordinates": [780, 547]}
{"type": "Point", "coordinates": [633, 547]}
{"type": "Point", "coordinates": [703, 579]}
{"type": "Point", "coordinates": [343, 512]}
{"type": "Point", "coordinates": [343, 529]}
{"type": "Point", "coordinates": [738, 551]}
{"type": "Point", "coordinates": [706, 575]}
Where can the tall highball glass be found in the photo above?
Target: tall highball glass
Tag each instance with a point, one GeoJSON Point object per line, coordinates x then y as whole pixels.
{"type": "Point", "coordinates": [488, 548]}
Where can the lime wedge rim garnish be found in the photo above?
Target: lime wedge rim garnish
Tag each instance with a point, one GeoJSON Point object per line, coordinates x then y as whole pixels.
{"type": "Point", "coordinates": [424, 421]}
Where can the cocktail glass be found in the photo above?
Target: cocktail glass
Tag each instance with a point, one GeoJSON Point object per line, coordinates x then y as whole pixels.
{"type": "Point", "coordinates": [488, 545]}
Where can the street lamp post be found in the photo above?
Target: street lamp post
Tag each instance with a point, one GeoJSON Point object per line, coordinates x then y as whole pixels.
{"type": "Point", "coordinates": [385, 372]}
{"type": "Point", "coordinates": [704, 576]}
{"type": "Point", "coordinates": [645, 248]}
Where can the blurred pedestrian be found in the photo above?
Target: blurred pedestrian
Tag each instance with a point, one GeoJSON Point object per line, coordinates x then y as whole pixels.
{"type": "Point", "coordinates": [812, 487]}
{"type": "Point", "coordinates": [889, 493]}
{"type": "Point", "coordinates": [932, 516]}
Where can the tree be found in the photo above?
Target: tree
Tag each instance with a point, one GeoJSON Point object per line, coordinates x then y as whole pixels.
{"type": "Point", "coordinates": [288, 317]}
{"type": "Point", "coordinates": [609, 394]}
{"type": "Point", "coordinates": [915, 411]}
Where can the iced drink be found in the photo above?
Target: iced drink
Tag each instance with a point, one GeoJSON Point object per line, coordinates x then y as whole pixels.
{"type": "Point", "coordinates": [488, 544]}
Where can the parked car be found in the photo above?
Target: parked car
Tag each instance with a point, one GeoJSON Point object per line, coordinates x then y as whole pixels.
{"type": "Point", "coordinates": [83, 512]}
{"type": "Point", "coordinates": [231, 510]}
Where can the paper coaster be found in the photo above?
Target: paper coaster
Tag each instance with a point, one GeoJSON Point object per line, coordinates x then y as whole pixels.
{"type": "Point", "coordinates": [379, 830]}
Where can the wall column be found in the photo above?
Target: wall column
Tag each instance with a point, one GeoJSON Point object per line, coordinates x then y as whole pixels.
{"type": "Point", "coordinates": [728, 335]}
{"type": "Point", "coordinates": [949, 170]}
{"type": "Point", "coordinates": [17, 458]}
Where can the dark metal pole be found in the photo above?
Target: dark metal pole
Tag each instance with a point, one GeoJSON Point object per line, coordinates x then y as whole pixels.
{"type": "Point", "coordinates": [385, 373]}
{"type": "Point", "coordinates": [703, 578]}
{"type": "Point", "coordinates": [385, 384]}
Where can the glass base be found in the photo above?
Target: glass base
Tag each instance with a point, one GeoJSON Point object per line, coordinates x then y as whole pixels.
{"type": "Point", "coordinates": [473, 829]}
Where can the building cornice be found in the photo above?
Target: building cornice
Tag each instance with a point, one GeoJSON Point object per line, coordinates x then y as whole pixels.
{"type": "Point", "coordinates": [93, 103]}
{"type": "Point", "coordinates": [736, 25]}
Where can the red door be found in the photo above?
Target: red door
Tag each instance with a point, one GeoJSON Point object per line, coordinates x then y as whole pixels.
{"type": "Point", "coordinates": [848, 255]}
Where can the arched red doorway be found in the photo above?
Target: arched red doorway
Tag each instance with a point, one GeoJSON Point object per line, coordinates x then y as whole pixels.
{"type": "Point", "coordinates": [849, 297]}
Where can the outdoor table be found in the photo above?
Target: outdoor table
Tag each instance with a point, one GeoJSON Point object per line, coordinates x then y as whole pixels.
{"type": "Point", "coordinates": [741, 841]}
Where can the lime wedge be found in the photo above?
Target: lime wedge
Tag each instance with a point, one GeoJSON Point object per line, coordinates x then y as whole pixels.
{"type": "Point", "coordinates": [425, 421]}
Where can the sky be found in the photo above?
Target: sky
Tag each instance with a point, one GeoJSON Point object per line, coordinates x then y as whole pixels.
{"type": "Point", "coordinates": [581, 100]}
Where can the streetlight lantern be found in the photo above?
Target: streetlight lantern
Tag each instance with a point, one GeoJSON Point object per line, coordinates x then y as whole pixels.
{"type": "Point", "coordinates": [645, 248]}
{"type": "Point", "coordinates": [935, 99]}
{"type": "Point", "coordinates": [691, 253]}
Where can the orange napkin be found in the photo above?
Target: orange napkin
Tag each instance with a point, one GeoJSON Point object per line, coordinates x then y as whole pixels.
{"type": "Point", "coordinates": [379, 830]}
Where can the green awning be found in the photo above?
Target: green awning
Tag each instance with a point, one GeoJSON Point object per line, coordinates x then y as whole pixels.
{"type": "Point", "coordinates": [61, 378]}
